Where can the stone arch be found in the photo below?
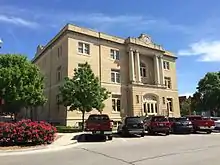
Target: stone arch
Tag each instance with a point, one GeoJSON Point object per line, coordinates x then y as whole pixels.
{"type": "Point", "coordinates": [150, 104]}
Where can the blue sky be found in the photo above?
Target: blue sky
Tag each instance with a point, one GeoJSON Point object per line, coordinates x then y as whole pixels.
{"type": "Point", "coordinates": [189, 28]}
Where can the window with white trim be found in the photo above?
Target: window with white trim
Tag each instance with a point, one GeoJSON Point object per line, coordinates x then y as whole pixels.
{"type": "Point", "coordinates": [115, 76]}
{"type": "Point", "coordinates": [114, 54]}
{"type": "Point", "coordinates": [150, 107]}
{"type": "Point", "coordinates": [167, 81]}
{"type": "Point", "coordinates": [143, 70]}
{"type": "Point", "coordinates": [83, 48]}
{"type": "Point", "coordinates": [170, 104]}
{"type": "Point", "coordinates": [116, 103]}
{"type": "Point", "coordinates": [166, 65]}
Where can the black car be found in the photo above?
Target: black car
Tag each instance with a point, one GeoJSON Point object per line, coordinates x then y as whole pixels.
{"type": "Point", "coordinates": [131, 126]}
{"type": "Point", "coordinates": [181, 125]}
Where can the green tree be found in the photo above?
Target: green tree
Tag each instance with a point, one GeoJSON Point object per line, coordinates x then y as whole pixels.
{"type": "Point", "coordinates": [21, 83]}
{"type": "Point", "coordinates": [83, 91]}
{"type": "Point", "coordinates": [185, 107]}
{"type": "Point", "coordinates": [208, 91]}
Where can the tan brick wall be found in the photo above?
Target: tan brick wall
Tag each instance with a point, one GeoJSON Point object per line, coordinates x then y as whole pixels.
{"type": "Point", "coordinates": [101, 64]}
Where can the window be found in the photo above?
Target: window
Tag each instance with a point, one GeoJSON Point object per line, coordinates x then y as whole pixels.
{"type": "Point", "coordinates": [58, 102]}
{"type": "Point", "coordinates": [164, 100]}
{"type": "Point", "coordinates": [116, 103]}
{"type": "Point", "coordinates": [83, 48]}
{"type": "Point", "coordinates": [137, 99]}
{"type": "Point", "coordinates": [169, 104]}
{"type": "Point", "coordinates": [166, 65]}
{"type": "Point", "coordinates": [115, 76]}
{"type": "Point", "coordinates": [167, 82]}
{"type": "Point", "coordinates": [59, 52]}
{"type": "Point", "coordinates": [59, 74]}
{"type": "Point", "coordinates": [148, 108]}
{"type": "Point", "coordinates": [114, 54]}
{"type": "Point", "coordinates": [143, 69]}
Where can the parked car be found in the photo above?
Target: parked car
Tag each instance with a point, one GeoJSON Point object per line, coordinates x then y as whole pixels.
{"type": "Point", "coordinates": [131, 126]}
{"type": "Point", "coordinates": [157, 124]}
{"type": "Point", "coordinates": [181, 125]}
{"type": "Point", "coordinates": [202, 124]}
{"type": "Point", "coordinates": [99, 124]}
{"type": "Point", "coordinates": [217, 122]}
{"type": "Point", "coordinates": [171, 120]}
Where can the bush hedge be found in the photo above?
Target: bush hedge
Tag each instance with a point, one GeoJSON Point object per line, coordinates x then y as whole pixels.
{"type": "Point", "coordinates": [26, 132]}
{"type": "Point", "coordinates": [67, 129]}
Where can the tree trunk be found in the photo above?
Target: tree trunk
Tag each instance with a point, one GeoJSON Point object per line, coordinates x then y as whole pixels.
{"type": "Point", "coordinates": [83, 119]}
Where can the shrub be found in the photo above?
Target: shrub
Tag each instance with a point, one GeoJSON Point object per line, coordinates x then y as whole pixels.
{"type": "Point", "coordinates": [26, 132]}
{"type": "Point", "coordinates": [67, 129]}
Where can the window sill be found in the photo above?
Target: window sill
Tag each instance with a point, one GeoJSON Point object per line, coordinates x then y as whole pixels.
{"type": "Point", "coordinates": [116, 112]}
{"type": "Point", "coordinates": [116, 83]}
{"type": "Point", "coordinates": [83, 54]}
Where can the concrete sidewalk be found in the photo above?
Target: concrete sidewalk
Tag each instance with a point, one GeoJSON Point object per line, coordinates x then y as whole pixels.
{"type": "Point", "coordinates": [65, 141]}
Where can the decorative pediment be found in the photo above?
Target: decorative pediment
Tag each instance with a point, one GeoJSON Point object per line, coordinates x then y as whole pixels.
{"type": "Point", "coordinates": [145, 38]}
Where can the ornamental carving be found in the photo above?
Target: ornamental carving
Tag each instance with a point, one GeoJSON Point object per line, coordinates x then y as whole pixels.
{"type": "Point", "coordinates": [145, 38]}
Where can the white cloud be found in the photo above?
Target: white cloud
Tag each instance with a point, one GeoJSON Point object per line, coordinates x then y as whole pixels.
{"type": "Point", "coordinates": [187, 94]}
{"type": "Point", "coordinates": [17, 21]}
{"type": "Point", "coordinates": [208, 51]}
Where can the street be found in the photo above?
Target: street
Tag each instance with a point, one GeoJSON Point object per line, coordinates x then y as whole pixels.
{"type": "Point", "coordinates": [192, 149]}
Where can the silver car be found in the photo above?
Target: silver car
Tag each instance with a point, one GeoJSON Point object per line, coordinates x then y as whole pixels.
{"type": "Point", "coordinates": [217, 122]}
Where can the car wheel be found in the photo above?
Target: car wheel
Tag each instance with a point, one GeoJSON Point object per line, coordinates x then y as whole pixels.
{"type": "Point", "coordinates": [110, 137]}
{"type": "Point", "coordinates": [167, 133]}
{"type": "Point", "coordinates": [143, 134]}
{"type": "Point", "coordinates": [209, 132]}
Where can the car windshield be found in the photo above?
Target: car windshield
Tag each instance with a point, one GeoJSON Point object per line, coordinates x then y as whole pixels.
{"type": "Point", "coordinates": [181, 119]}
{"type": "Point", "coordinates": [98, 117]}
{"type": "Point", "coordinates": [133, 120]}
{"type": "Point", "coordinates": [195, 118]}
{"type": "Point", "coordinates": [159, 119]}
{"type": "Point", "coordinates": [172, 119]}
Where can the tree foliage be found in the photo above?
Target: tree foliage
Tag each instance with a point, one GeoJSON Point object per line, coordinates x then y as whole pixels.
{"type": "Point", "coordinates": [21, 83]}
{"type": "Point", "coordinates": [185, 107]}
{"type": "Point", "coordinates": [83, 91]}
{"type": "Point", "coordinates": [207, 96]}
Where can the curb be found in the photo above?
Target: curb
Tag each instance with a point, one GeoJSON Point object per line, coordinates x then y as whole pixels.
{"type": "Point", "coordinates": [48, 148]}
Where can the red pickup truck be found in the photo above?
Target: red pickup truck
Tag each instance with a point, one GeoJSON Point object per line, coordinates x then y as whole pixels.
{"type": "Point", "coordinates": [99, 124]}
{"type": "Point", "coordinates": [157, 124]}
{"type": "Point", "coordinates": [201, 124]}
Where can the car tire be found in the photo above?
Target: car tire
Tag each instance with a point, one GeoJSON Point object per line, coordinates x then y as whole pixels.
{"type": "Point", "coordinates": [143, 134]}
{"type": "Point", "coordinates": [167, 133]}
{"type": "Point", "coordinates": [209, 132]}
{"type": "Point", "coordinates": [110, 137]}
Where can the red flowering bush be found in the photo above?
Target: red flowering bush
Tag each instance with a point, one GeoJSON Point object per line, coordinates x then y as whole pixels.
{"type": "Point", "coordinates": [26, 132]}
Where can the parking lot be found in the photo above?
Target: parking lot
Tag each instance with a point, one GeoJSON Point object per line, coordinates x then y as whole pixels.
{"type": "Point", "coordinates": [178, 149]}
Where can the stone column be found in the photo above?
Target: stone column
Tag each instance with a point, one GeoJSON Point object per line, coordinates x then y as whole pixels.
{"type": "Point", "coordinates": [131, 65]}
{"type": "Point", "coordinates": [137, 60]}
{"type": "Point", "coordinates": [161, 70]}
{"type": "Point", "coordinates": [156, 69]}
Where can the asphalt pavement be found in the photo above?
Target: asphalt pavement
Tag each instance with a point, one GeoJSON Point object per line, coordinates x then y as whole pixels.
{"type": "Point", "coordinates": [202, 149]}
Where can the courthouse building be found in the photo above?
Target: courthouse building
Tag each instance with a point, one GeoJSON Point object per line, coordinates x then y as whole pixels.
{"type": "Point", "coordinates": [140, 74]}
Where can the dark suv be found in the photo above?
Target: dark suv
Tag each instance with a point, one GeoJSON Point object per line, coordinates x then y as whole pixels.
{"type": "Point", "coordinates": [131, 126]}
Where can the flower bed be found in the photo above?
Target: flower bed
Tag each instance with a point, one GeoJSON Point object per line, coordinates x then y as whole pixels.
{"type": "Point", "coordinates": [26, 132]}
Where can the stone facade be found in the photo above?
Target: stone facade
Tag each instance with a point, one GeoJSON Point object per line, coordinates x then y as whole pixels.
{"type": "Point", "coordinates": [140, 74]}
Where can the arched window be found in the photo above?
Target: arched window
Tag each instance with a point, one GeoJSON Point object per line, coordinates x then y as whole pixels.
{"type": "Point", "coordinates": [143, 69]}
{"type": "Point", "coordinates": [150, 105]}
